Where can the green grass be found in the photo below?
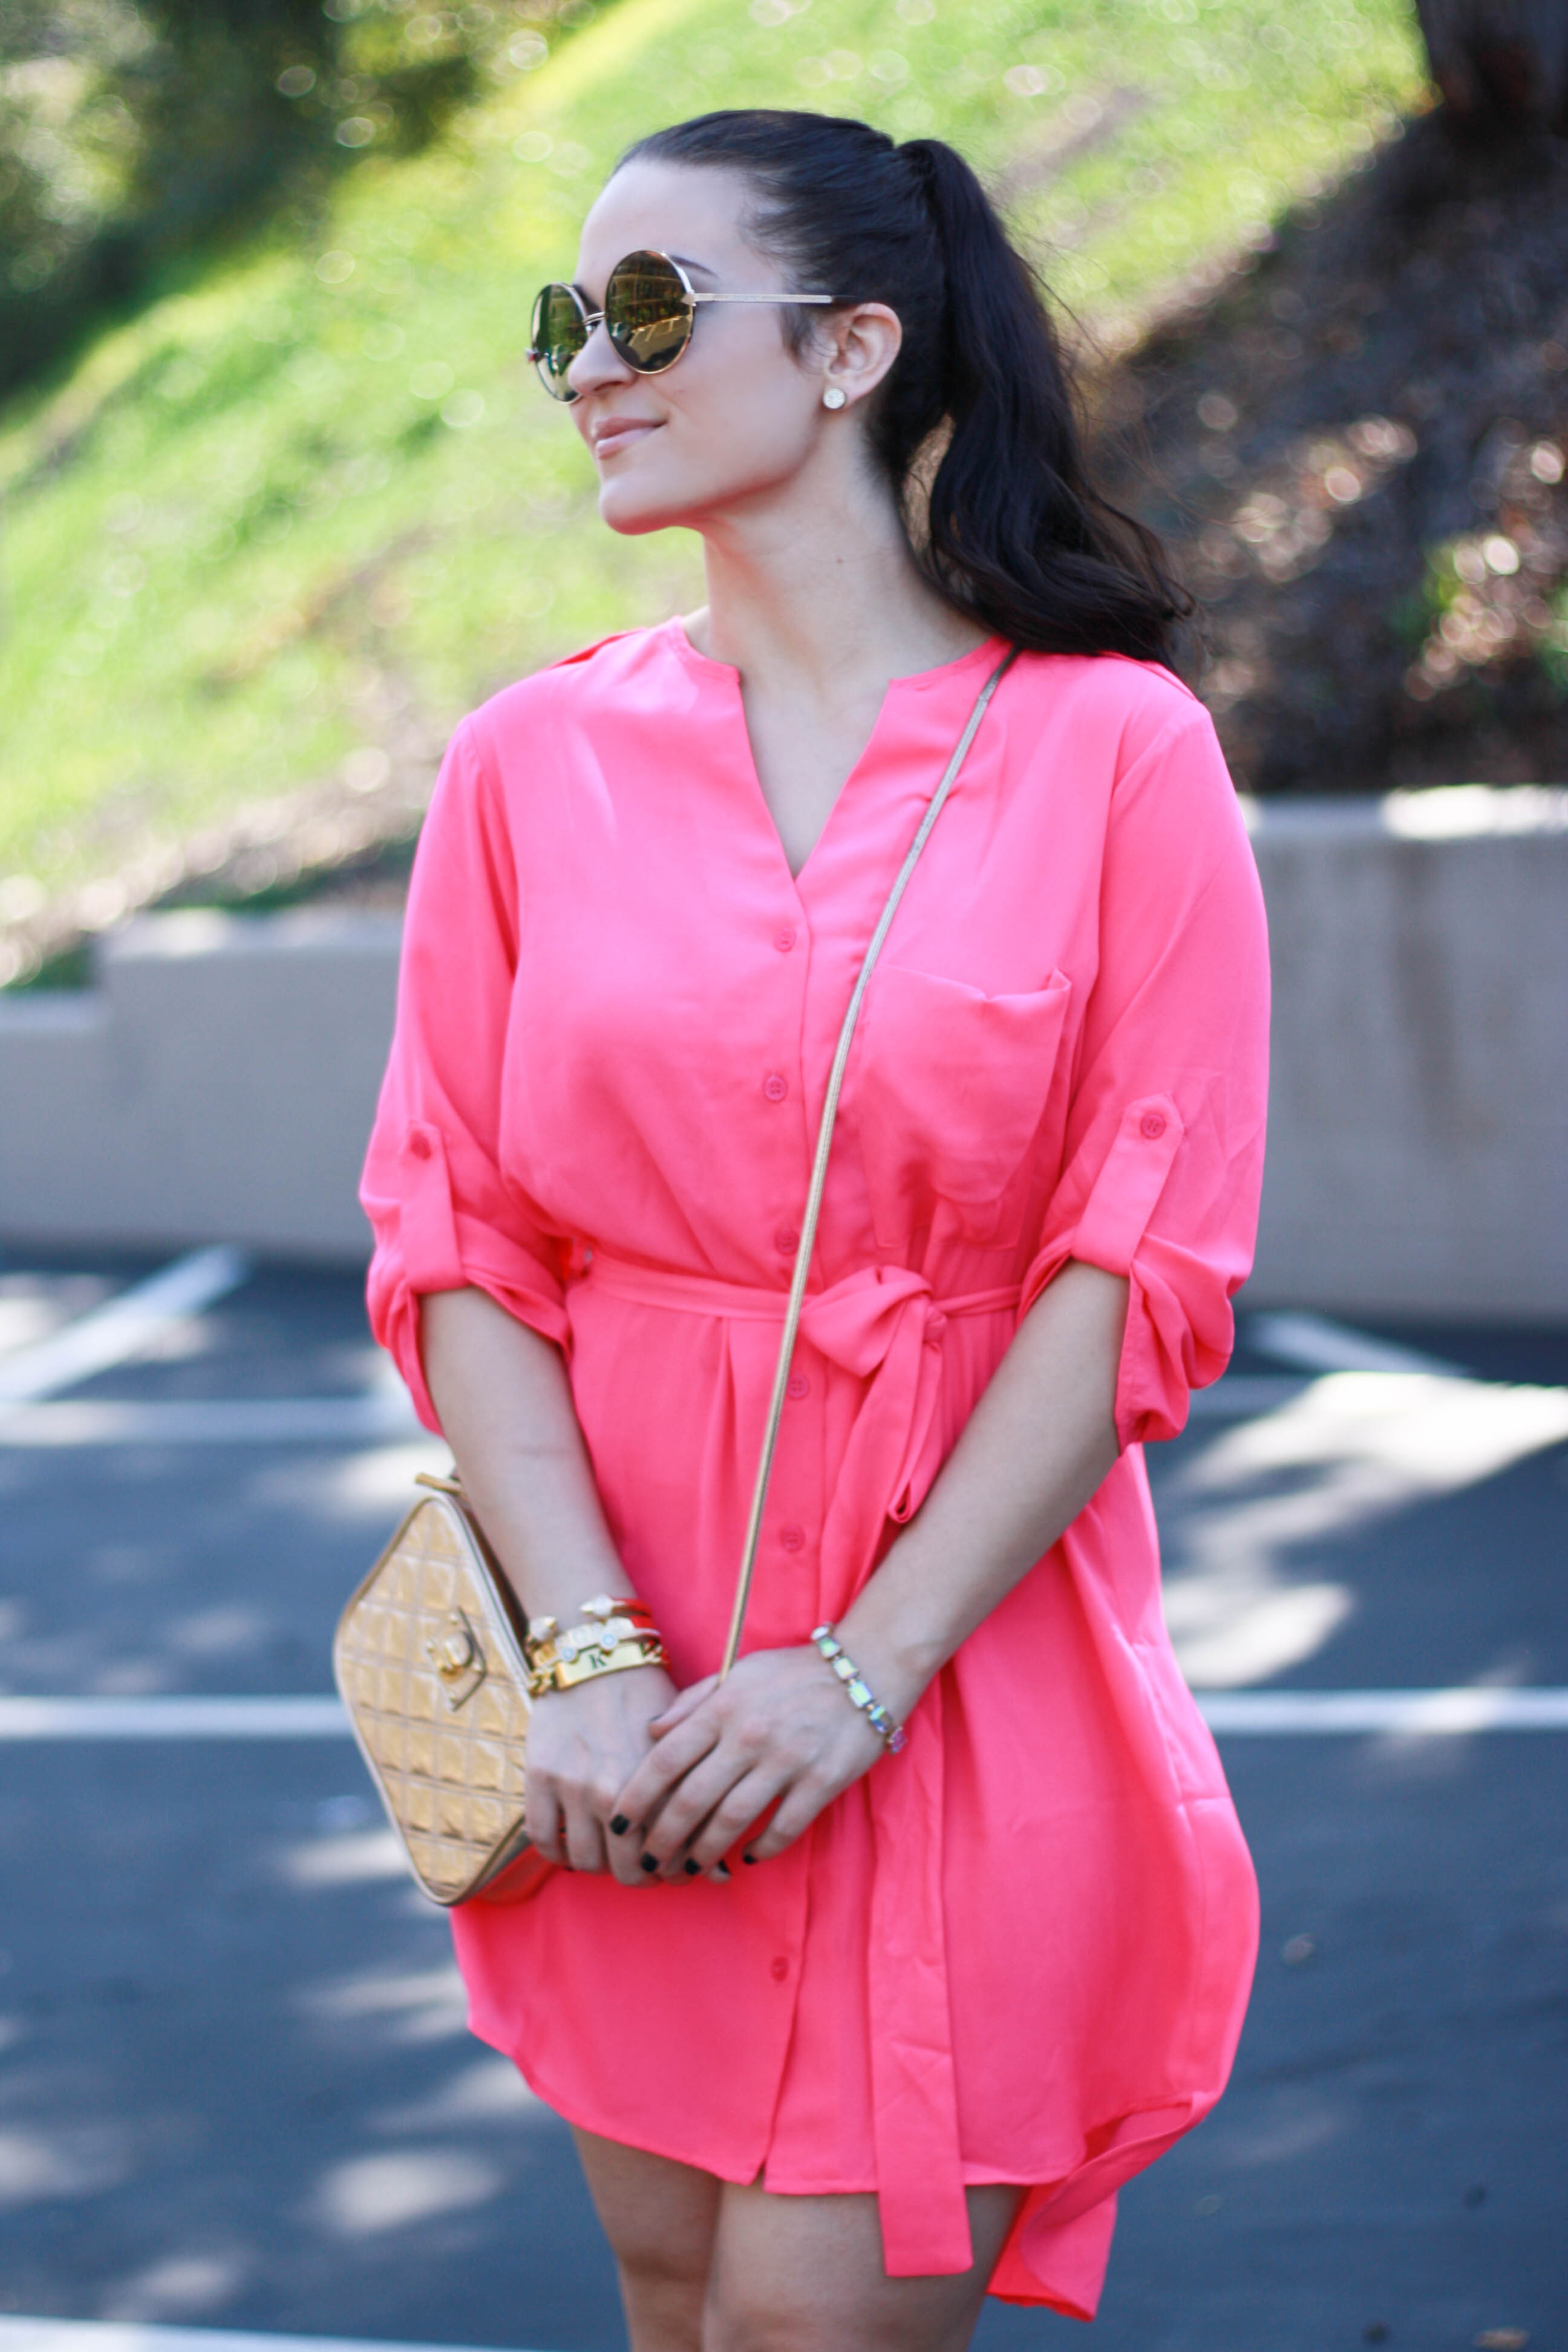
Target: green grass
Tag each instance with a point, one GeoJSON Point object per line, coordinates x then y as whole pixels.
{"type": "Point", "coordinates": [315, 498]}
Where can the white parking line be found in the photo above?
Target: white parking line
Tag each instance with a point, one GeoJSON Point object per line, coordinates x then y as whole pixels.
{"type": "Point", "coordinates": [111, 1334]}
{"type": "Point", "coordinates": [123, 1326]}
{"type": "Point", "coordinates": [1414, 1714]}
{"type": "Point", "coordinates": [305, 1716]}
{"type": "Point", "coordinates": [387, 1413]}
{"type": "Point", "coordinates": [1317, 1344]}
{"type": "Point", "coordinates": [129, 2336]}
{"type": "Point", "coordinates": [1235, 1714]}
{"type": "Point", "coordinates": [210, 1420]}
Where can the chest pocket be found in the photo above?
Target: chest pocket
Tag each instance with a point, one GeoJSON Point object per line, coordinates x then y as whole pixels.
{"type": "Point", "coordinates": [952, 1086]}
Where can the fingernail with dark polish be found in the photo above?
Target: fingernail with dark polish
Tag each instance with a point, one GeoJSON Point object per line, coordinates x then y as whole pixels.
{"type": "Point", "coordinates": [648, 1861]}
{"type": "Point", "coordinates": [692, 1869]}
{"type": "Point", "coordinates": [723, 1870]}
{"type": "Point", "coordinates": [748, 1857]}
{"type": "Point", "coordinates": [619, 1826]}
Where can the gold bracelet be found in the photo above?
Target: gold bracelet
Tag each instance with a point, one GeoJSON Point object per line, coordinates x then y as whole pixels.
{"type": "Point", "coordinates": [554, 1673]}
{"type": "Point", "coordinates": [552, 1665]}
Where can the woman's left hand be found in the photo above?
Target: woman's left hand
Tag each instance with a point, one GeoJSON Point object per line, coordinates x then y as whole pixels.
{"type": "Point", "coordinates": [779, 1728]}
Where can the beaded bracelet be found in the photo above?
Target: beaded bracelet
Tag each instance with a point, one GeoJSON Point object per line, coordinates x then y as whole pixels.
{"type": "Point", "coordinates": [857, 1690]}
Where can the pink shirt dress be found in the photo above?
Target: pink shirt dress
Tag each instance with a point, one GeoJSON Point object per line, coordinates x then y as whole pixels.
{"type": "Point", "coordinates": [1019, 1951]}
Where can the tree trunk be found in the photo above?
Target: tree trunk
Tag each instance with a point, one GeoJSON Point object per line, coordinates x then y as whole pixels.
{"type": "Point", "coordinates": [1506, 60]}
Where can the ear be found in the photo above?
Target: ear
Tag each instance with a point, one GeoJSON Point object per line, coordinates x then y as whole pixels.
{"type": "Point", "coordinates": [862, 342]}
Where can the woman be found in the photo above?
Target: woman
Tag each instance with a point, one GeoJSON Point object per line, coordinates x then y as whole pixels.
{"type": "Point", "coordinates": [879, 2031]}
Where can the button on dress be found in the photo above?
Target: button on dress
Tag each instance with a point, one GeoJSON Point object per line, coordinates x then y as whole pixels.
{"type": "Point", "coordinates": [1020, 1951]}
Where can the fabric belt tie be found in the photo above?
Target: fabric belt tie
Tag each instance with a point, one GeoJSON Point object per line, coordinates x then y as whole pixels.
{"type": "Point", "coordinates": [883, 1325]}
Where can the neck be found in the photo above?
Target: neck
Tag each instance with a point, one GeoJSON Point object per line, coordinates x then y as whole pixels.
{"type": "Point", "coordinates": [819, 589]}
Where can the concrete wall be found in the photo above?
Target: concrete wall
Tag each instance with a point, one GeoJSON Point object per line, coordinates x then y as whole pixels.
{"type": "Point", "coordinates": [1418, 1110]}
{"type": "Point", "coordinates": [219, 1081]}
{"type": "Point", "coordinates": [218, 1084]}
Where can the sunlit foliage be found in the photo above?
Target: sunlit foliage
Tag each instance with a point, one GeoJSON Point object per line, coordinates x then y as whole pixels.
{"type": "Point", "coordinates": [310, 505]}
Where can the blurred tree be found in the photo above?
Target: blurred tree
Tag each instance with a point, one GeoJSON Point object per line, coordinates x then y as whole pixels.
{"type": "Point", "coordinates": [133, 130]}
{"type": "Point", "coordinates": [1500, 62]}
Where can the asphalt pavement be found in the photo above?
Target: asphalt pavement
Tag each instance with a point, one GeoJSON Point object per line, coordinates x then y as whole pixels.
{"type": "Point", "coordinates": [236, 2087]}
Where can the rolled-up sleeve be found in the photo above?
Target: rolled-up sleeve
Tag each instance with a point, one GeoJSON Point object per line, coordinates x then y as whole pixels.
{"type": "Point", "coordinates": [1164, 1156]}
{"type": "Point", "coordinates": [444, 1215]}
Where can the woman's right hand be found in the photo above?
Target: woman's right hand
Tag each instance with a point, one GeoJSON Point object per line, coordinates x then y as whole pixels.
{"type": "Point", "coordinates": [584, 1744]}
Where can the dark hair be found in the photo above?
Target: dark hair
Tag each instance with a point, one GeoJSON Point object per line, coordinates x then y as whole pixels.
{"type": "Point", "coordinates": [1014, 533]}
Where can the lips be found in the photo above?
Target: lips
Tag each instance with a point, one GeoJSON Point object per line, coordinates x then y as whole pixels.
{"type": "Point", "coordinates": [616, 433]}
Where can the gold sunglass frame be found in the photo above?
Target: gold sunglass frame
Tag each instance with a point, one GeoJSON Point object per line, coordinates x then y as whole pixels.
{"type": "Point", "coordinates": [691, 297]}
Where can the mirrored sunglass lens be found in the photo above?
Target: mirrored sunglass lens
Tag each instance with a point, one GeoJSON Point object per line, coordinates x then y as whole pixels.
{"type": "Point", "coordinates": [558, 335]}
{"type": "Point", "coordinates": [645, 312]}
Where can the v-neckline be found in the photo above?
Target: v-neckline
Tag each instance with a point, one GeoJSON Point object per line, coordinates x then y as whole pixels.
{"type": "Point", "coordinates": [728, 672]}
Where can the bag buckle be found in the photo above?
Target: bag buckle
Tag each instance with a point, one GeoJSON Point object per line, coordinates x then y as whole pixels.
{"type": "Point", "coordinates": [457, 1658]}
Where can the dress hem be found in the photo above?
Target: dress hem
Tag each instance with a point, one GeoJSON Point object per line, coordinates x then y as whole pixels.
{"type": "Point", "coordinates": [973, 2176]}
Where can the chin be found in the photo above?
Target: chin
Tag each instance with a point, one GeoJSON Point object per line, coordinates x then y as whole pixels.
{"type": "Point", "coordinates": [630, 515]}
{"type": "Point", "coordinates": [632, 508]}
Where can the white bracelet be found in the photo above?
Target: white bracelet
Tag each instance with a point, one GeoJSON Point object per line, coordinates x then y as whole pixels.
{"type": "Point", "coordinates": [857, 1690]}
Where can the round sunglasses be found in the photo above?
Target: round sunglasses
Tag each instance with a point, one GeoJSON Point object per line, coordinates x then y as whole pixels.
{"type": "Point", "coordinates": [650, 309]}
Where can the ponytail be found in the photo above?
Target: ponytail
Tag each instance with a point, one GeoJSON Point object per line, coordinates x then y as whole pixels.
{"type": "Point", "coordinates": [1014, 533]}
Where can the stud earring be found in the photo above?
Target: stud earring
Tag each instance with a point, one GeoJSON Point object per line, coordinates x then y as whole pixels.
{"type": "Point", "coordinates": [834, 396]}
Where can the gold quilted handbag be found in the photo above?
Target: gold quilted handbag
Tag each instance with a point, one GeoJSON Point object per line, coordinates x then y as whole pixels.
{"type": "Point", "coordinates": [428, 1653]}
{"type": "Point", "coordinates": [428, 1658]}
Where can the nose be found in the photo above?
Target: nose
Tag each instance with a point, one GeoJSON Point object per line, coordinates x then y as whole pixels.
{"type": "Point", "coordinates": [598, 364]}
